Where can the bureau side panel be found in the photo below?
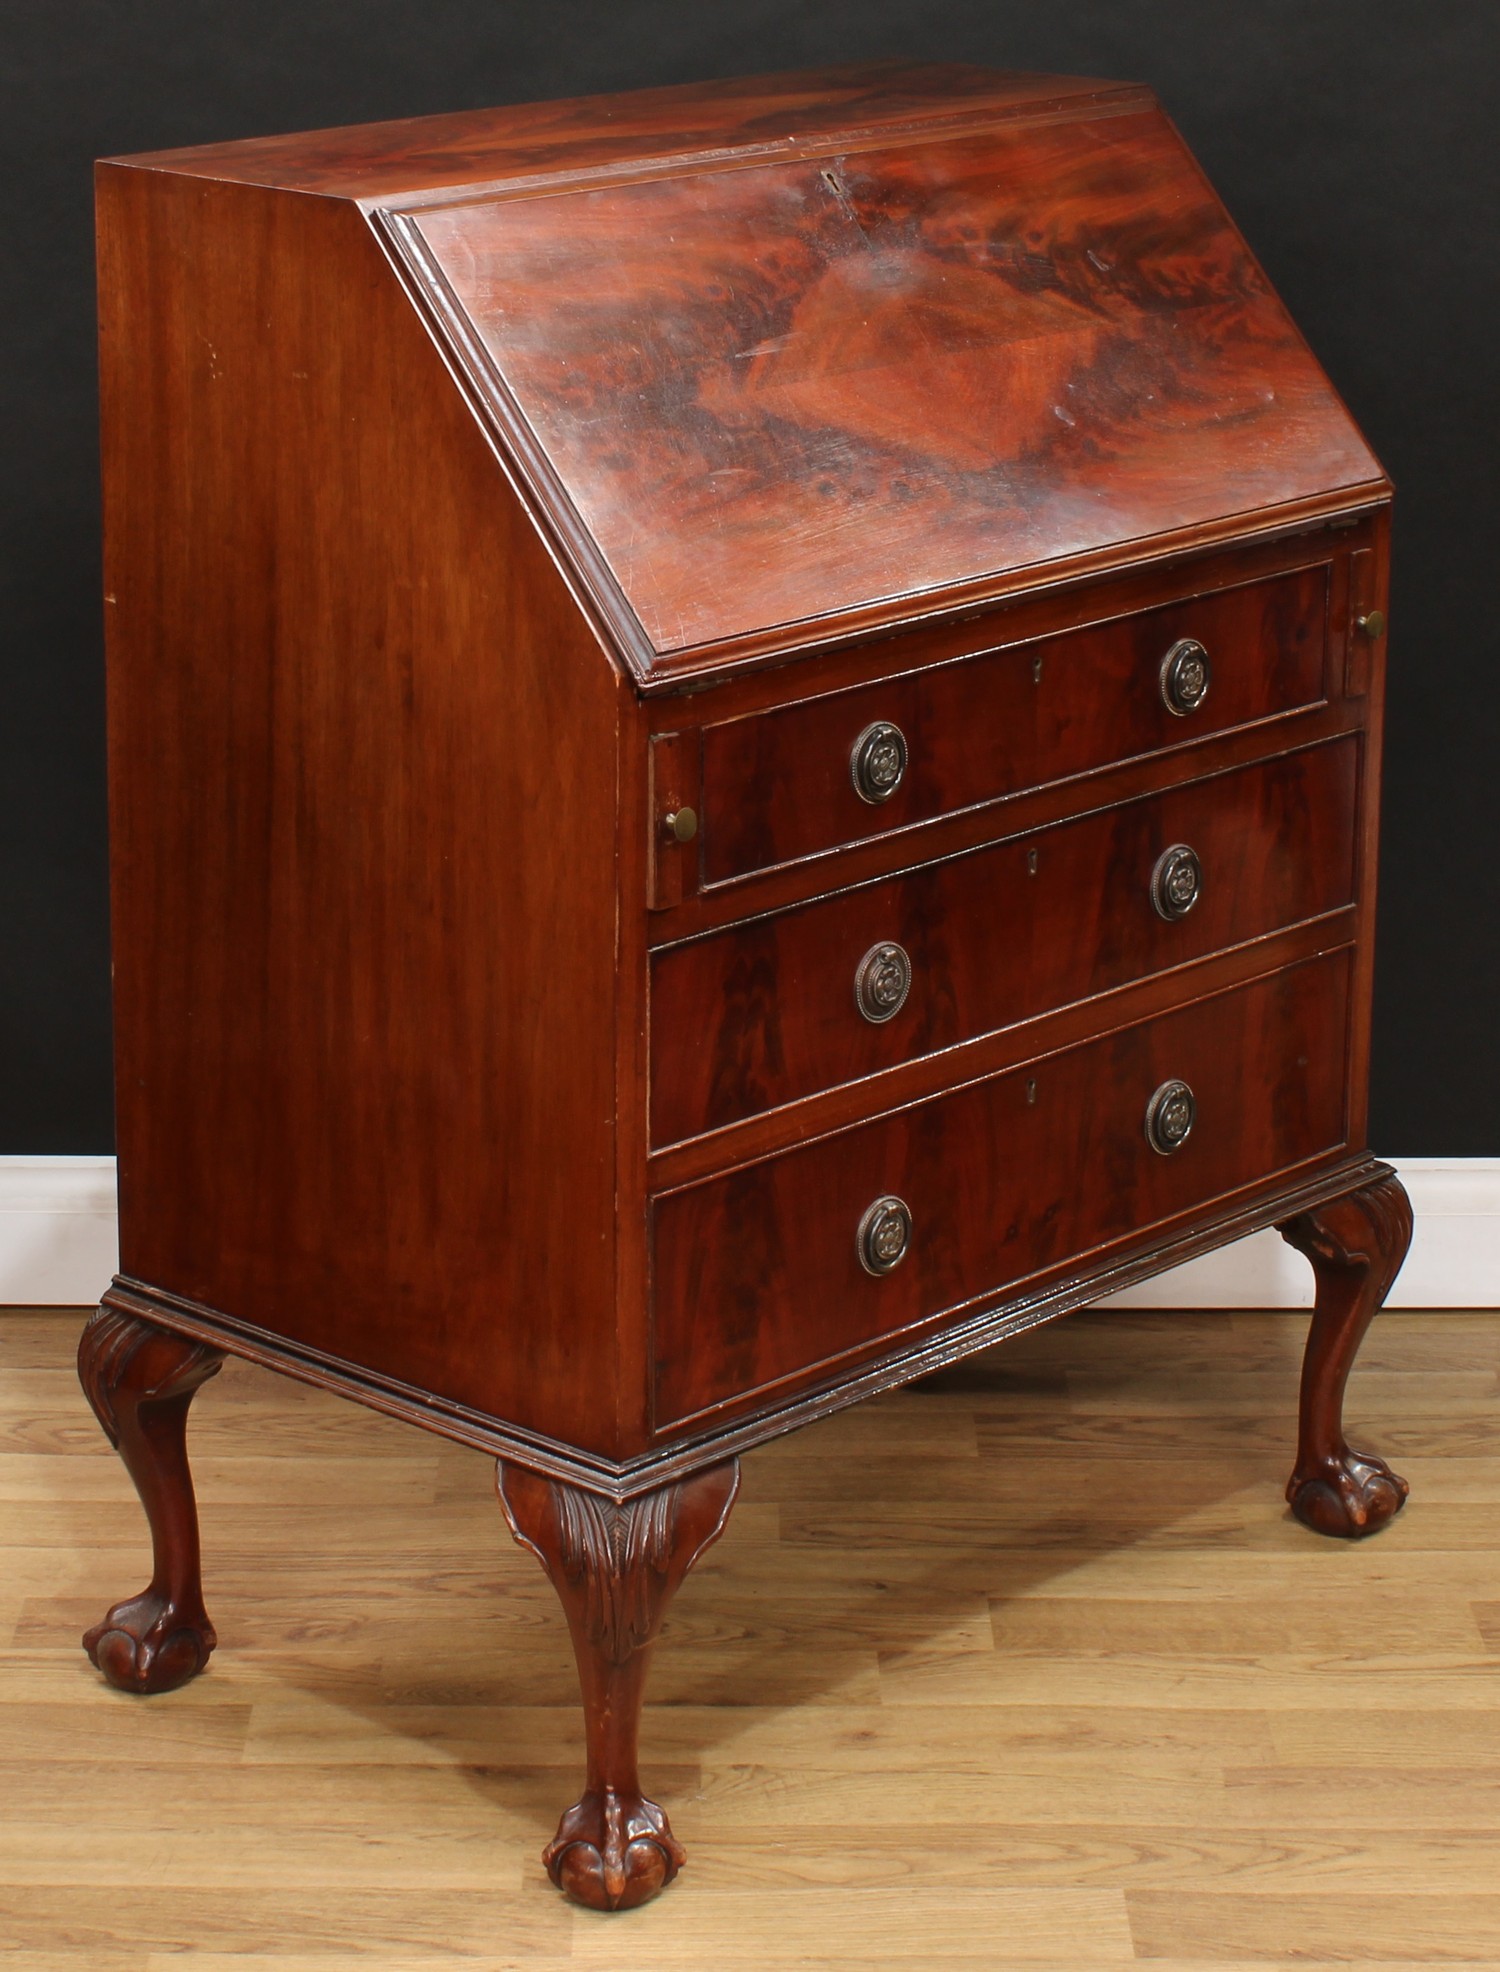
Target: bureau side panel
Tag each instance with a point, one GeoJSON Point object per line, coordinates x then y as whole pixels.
{"type": "Point", "coordinates": [363, 758]}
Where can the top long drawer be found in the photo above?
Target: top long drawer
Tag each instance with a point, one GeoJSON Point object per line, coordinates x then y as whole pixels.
{"type": "Point", "coordinates": [801, 779]}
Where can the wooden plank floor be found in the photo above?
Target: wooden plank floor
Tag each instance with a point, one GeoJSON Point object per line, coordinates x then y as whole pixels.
{"type": "Point", "coordinates": [1029, 1667]}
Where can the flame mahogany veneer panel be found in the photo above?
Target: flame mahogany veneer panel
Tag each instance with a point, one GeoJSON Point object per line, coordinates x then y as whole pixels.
{"type": "Point", "coordinates": [756, 1274]}
{"type": "Point", "coordinates": [776, 786]}
{"type": "Point", "coordinates": [779, 392]}
{"type": "Point", "coordinates": [995, 936]}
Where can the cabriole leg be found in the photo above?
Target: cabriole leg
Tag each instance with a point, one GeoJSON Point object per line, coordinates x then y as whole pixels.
{"type": "Point", "coordinates": [1356, 1245]}
{"type": "Point", "coordinates": [615, 1567]}
{"type": "Point", "coordinates": [140, 1380]}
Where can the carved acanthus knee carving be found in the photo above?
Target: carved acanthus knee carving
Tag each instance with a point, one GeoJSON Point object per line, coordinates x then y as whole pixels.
{"type": "Point", "coordinates": [1356, 1245]}
{"type": "Point", "coordinates": [615, 1567]}
{"type": "Point", "coordinates": [140, 1380]}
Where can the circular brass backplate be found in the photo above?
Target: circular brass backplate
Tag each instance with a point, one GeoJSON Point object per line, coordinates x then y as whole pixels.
{"type": "Point", "coordinates": [1170, 1116]}
{"type": "Point", "coordinates": [1185, 676]}
{"type": "Point", "coordinates": [1176, 882]}
{"type": "Point", "coordinates": [884, 1237]}
{"type": "Point", "coordinates": [882, 981]}
{"type": "Point", "coordinates": [877, 762]}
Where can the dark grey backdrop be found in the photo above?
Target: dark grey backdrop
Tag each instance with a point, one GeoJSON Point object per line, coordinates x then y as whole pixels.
{"type": "Point", "coordinates": [1353, 139]}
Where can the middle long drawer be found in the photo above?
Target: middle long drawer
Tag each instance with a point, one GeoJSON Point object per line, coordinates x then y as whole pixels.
{"type": "Point", "coordinates": [828, 992]}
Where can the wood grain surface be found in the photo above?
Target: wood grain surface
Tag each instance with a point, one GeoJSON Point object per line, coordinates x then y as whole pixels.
{"type": "Point", "coordinates": [1029, 1666]}
{"type": "Point", "coordinates": [777, 787]}
{"type": "Point", "coordinates": [994, 937]}
{"type": "Point", "coordinates": [734, 113]}
{"type": "Point", "coordinates": [756, 1274]}
{"type": "Point", "coordinates": [790, 392]}
{"type": "Point", "coordinates": [357, 942]}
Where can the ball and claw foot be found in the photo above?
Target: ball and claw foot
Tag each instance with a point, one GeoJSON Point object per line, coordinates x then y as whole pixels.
{"type": "Point", "coordinates": [616, 1564]}
{"type": "Point", "coordinates": [613, 1851]}
{"type": "Point", "coordinates": [140, 1380]}
{"type": "Point", "coordinates": [147, 1645]}
{"type": "Point", "coordinates": [1356, 1244]}
{"type": "Point", "coordinates": [1349, 1497]}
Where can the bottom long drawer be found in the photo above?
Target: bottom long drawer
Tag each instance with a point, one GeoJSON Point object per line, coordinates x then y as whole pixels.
{"type": "Point", "coordinates": [789, 1264]}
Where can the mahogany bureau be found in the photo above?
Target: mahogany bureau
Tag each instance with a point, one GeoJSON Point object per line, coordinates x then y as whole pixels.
{"type": "Point", "coordinates": [744, 738]}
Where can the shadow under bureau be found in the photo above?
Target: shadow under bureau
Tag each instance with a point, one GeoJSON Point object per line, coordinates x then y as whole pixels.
{"type": "Point", "coordinates": [744, 736]}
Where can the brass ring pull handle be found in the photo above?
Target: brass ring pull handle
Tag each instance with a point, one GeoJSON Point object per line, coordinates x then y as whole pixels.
{"type": "Point", "coordinates": [1176, 882]}
{"type": "Point", "coordinates": [877, 762]}
{"type": "Point", "coordinates": [1185, 677]}
{"type": "Point", "coordinates": [882, 982]}
{"type": "Point", "coordinates": [1170, 1116]}
{"type": "Point", "coordinates": [884, 1237]}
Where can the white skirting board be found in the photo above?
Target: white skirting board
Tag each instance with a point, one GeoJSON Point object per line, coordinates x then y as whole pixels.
{"type": "Point", "coordinates": [58, 1245]}
{"type": "Point", "coordinates": [58, 1241]}
{"type": "Point", "coordinates": [1454, 1261]}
